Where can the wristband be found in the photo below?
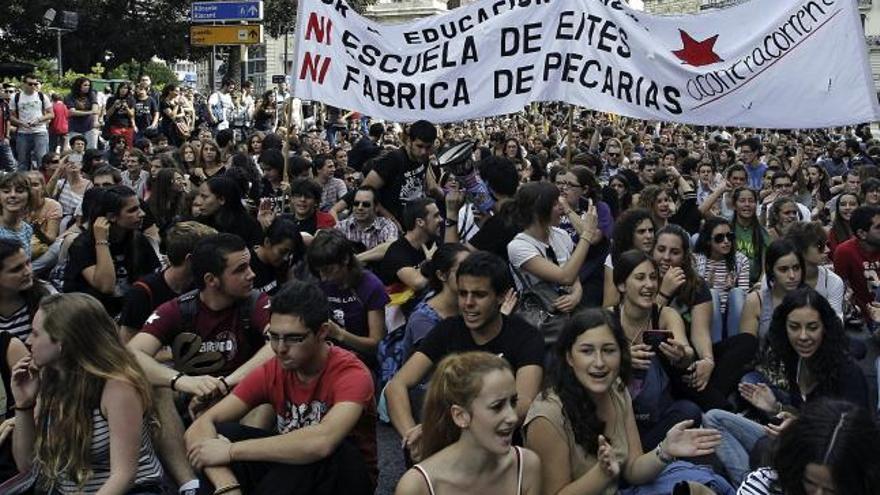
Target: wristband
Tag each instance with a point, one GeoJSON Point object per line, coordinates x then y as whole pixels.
{"type": "Point", "coordinates": [227, 489]}
{"type": "Point", "coordinates": [174, 380]}
{"type": "Point", "coordinates": [102, 243]}
{"type": "Point", "coordinates": [662, 455]}
{"type": "Point", "coordinates": [664, 296]}
{"type": "Point", "coordinates": [24, 408]}
{"type": "Point", "coordinates": [223, 381]}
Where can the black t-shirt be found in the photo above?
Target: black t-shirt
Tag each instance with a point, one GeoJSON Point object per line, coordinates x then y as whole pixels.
{"type": "Point", "coordinates": [518, 342]}
{"type": "Point", "coordinates": [120, 117]}
{"type": "Point", "coordinates": [144, 111]}
{"type": "Point", "coordinates": [404, 179]}
{"type": "Point", "coordinates": [82, 255]}
{"type": "Point", "coordinates": [400, 254]}
{"type": "Point", "coordinates": [494, 236]}
{"type": "Point", "coordinates": [140, 303]}
{"type": "Point", "coordinates": [688, 215]}
{"type": "Point", "coordinates": [266, 276]}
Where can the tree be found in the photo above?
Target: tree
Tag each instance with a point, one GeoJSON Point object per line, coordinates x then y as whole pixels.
{"type": "Point", "coordinates": [280, 15]}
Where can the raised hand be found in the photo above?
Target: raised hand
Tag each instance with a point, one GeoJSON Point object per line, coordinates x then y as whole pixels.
{"type": "Point", "coordinates": [759, 395]}
{"type": "Point", "coordinates": [607, 460]}
{"type": "Point", "coordinates": [684, 441]}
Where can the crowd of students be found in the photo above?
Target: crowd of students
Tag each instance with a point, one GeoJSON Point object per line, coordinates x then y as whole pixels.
{"type": "Point", "coordinates": [538, 304]}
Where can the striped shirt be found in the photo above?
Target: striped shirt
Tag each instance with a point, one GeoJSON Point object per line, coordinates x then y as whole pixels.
{"type": "Point", "coordinates": [760, 482]}
{"type": "Point", "coordinates": [332, 192]}
{"type": "Point", "coordinates": [19, 322]}
{"type": "Point", "coordinates": [149, 469]}
{"type": "Point", "coordinates": [720, 278]}
{"type": "Point", "coordinates": [381, 230]}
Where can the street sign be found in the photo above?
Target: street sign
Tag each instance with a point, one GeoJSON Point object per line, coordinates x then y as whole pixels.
{"type": "Point", "coordinates": [278, 79]}
{"type": "Point", "coordinates": [248, 10]}
{"type": "Point", "coordinates": [244, 34]}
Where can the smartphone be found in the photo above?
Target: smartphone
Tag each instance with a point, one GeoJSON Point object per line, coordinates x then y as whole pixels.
{"type": "Point", "coordinates": [656, 337]}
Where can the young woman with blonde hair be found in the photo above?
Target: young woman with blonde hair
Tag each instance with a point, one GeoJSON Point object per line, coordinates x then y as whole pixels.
{"type": "Point", "coordinates": [81, 384]}
{"type": "Point", "coordinates": [469, 419]}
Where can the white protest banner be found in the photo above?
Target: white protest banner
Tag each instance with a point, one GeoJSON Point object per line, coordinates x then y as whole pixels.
{"type": "Point", "coordinates": [763, 63]}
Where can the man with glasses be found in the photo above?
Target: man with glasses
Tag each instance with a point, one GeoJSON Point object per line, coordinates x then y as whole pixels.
{"type": "Point", "coordinates": [613, 160]}
{"type": "Point", "coordinates": [783, 187]}
{"type": "Point", "coordinates": [216, 336]}
{"type": "Point", "coordinates": [323, 439]}
{"type": "Point", "coordinates": [750, 153]}
{"type": "Point", "coordinates": [31, 110]}
{"type": "Point", "coordinates": [372, 233]}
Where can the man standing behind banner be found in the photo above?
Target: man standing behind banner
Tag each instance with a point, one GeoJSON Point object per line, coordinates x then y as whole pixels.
{"type": "Point", "coordinates": [401, 176]}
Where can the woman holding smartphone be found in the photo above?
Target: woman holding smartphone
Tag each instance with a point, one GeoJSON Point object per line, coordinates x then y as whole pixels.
{"type": "Point", "coordinates": [67, 186]}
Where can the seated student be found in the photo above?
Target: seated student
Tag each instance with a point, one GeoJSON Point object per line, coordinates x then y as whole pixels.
{"type": "Point", "coordinates": [583, 426]}
{"type": "Point", "coordinates": [305, 195]}
{"type": "Point", "coordinates": [442, 300]}
{"type": "Point", "coordinates": [20, 291]}
{"type": "Point", "coordinates": [655, 363]}
{"type": "Point", "coordinates": [215, 333]}
{"type": "Point", "coordinates": [112, 253]}
{"type": "Point", "coordinates": [357, 297]}
{"type": "Point", "coordinates": [470, 414]}
{"type": "Point", "coordinates": [634, 229]}
{"type": "Point", "coordinates": [811, 239]}
{"type": "Point", "coordinates": [15, 205]}
{"type": "Point", "coordinates": [11, 351]}
{"type": "Point", "coordinates": [833, 446]}
{"type": "Point", "coordinates": [370, 233]}
{"type": "Point", "coordinates": [281, 249]}
{"type": "Point", "coordinates": [808, 342]}
{"type": "Point", "coordinates": [400, 265]}
{"type": "Point", "coordinates": [332, 188]}
{"type": "Point", "coordinates": [483, 281]}
{"type": "Point", "coordinates": [219, 205]}
{"type": "Point", "coordinates": [711, 378]}
{"type": "Point", "coordinates": [857, 260]}
{"type": "Point", "coordinates": [324, 439]}
{"type": "Point", "coordinates": [153, 290]}
{"type": "Point", "coordinates": [82, 385]}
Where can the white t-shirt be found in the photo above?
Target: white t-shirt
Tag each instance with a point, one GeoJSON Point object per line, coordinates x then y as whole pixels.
{"type": "Point", "coordinates": [524, 247]}
{"type": "Point", "coordinates": [30, 109]}
{"type": "Point", "coordinates": [226, 101]}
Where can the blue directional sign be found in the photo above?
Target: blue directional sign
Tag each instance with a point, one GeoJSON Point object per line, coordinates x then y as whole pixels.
{"type": "Point", "coordinates": [247, 10]}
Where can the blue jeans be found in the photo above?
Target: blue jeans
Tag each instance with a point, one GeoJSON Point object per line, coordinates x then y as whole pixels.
{"type": "Point", "coordinates": [736, 300]}
{"type": "Point", "coordinates": [738, 437]}
{"type": "Point", "coordinates": [25, 144]}
{"type": "Point", "coordinates": [7, 160]}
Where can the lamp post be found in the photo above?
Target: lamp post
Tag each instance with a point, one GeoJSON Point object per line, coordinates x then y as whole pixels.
{"type": "Point", "coordinates": [61, 24]}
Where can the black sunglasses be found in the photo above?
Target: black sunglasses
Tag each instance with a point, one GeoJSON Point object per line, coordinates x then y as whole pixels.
{"type": "Point", "coordinates": [365, 204]}
{"type": "Point", "coordinates": [719, 238]}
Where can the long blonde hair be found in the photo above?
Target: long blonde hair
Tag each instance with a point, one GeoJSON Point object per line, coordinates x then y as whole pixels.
{"type": "Point", "coordinates": [457, 380]}
{"type": "Point", "coordinates": [91, 354]}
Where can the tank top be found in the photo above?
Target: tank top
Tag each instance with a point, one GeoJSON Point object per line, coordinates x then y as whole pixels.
{"type": "Point", "coordinates": [149, 470]}
{"type": "Point", "coordinates": [519, 473]}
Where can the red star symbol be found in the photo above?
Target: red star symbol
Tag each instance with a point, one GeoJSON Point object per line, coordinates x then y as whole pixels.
{"type": "Point", "coordinates": [697, 53]}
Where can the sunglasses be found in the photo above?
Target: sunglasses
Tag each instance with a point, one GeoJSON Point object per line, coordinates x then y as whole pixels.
{"type": "Point", "coordinates": [365, 204]}
{"type": "Point", "coordinates": [32, 83]}
{"type": "Point", "coordinates": [719, 238]}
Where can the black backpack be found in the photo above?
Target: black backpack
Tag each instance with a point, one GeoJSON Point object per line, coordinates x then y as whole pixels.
{"type": "Point", "coordinates": [42, 100]}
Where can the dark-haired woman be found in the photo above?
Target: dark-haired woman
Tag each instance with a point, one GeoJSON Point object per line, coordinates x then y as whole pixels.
{"type": "Point", "coordinates": [781, 214]}
{"type": "Point", "coordinates": [726, 270]}
{"type": "Point", "coordinates": [357, 297]}
{"type": "Point", "coordinates": [624, 191]}
{"type": "Point", "coordinates": [442, 301]}
{"type": "Point", "coordinates": [15, 204]}
{"type": "Point", "coordinates": [82, 110]}
{"type": "Point", "coordinates": [583, 426]}
{"type": "Point", "coordinates": [784, 267]}
{"type": "Point", "coordinates": [751, 238]}
{"type": "Point", "coordinates": [634, 230]}
{"type": "Point", "coordinates": [120, 114]}
{"type": "Point", "coordinates": [832, 447]}
{"type": "Point", "coordinates": [543, 253]}
{"type": "Point", "coordinates": [172, 112]}
{"type": "Point", "coordinates": [20, 291]}
{"type": "Point", "coordinates": [812, 241]}
{"type": "Point", "coordinates": [271, 261]}
{"type": "Point", "coordinates": [218, 204]}
{"type": "Point", "coordinates": [112, 253]}
{"type": "Point", "coordinates": [656, 361]}
{"type": "Point", "coordinates": [808, 342]}
{"type": "Point", "coordinates": [579, 188]}
{"type": "Point", "coordinates": [660, 200]}
{"type": "Point", "coordinates": [840, 230]}
{"type": "Point", "coordinates": [167, 200]}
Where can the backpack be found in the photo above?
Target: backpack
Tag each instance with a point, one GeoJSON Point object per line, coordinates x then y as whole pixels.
{"type": "Point", "coordinates": [186, 346]}
{"type": "Point", "coordinates": [42, 100]}
{"type": "Point", "coordinates": [391, 355]}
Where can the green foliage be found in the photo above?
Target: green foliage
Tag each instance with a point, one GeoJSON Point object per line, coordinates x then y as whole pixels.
{"type": "Point", "coordinates": [160, 74]}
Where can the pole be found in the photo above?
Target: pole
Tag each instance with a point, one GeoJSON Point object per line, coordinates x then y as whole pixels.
{"type": "Point", "coordinates": [212, 69]}
{"type": "Point", "coordinates": [60, 65]}
{"type": "Point", "coordinates": [286, 34]}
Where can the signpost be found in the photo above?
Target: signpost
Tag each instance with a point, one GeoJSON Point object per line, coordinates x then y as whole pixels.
{"type": "Point", "coordinates": [247, 10]}
{"type": "Point", "coordinates": [242, 34]}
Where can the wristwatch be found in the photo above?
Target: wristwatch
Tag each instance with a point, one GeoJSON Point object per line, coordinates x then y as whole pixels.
{"type": "Point", "coordinates": [450, 223]}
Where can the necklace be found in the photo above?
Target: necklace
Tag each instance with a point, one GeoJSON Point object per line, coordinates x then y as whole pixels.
{"type": "Point", "coordinates": [638, 327]}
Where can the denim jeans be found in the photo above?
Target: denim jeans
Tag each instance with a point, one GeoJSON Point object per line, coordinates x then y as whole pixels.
{"type": "Point", "coordinates": [738, 437]}
{"type": "Point", "coordinates": [27, 143]}
{"type": "Point", "coordinates": [7, 160]}
{"type": "Point", "coordinates": [736, 300]}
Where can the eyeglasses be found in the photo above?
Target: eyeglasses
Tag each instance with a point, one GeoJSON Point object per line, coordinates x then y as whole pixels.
{"type": "Point", "coordinates": [55, 162]}
{"type": "Point", "coordinates": [33, 83]}
{"type": "Point", "coordinates": [564, 184]}
{"type": "Point", "coordinates": [288, 339]}
{"type": "Point", "coordinates": [719, 238]}
{"type": "Point", "coordinates": [365, 204]}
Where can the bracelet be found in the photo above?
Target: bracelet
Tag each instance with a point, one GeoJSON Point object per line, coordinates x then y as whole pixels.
{"type": "Point", "coordinates": [662, 455]}
{"type": "Point", "coordinates": [227, 489]}
{"type": "Point", "coordinates": [664, 296]}
{"type": "Point", "coordinates": [174, 380]}
{"type": "Point", "coordinates": [24, 408]}
{"type": "Point", "coordinates": [223, 381]}
{"type": "Point", "coordinates": [102, 243]}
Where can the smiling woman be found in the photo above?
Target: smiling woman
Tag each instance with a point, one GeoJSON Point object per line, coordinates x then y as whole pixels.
{"type": "Point", "coordinates": [15, 202]}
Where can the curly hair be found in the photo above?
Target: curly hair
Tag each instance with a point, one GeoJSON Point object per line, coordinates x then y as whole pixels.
{"type": "Point", "coordinates": [625, 228]}
{"type": "Point", "coordinates": [833, 352]}
{"type": "Point", "coordinates": [577, 404]}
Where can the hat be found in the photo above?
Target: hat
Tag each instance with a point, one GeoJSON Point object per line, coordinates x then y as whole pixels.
{"type": "Point", "coordinates": [457, 158]}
